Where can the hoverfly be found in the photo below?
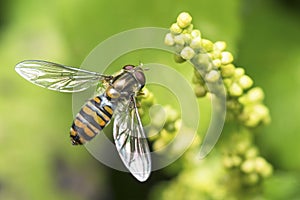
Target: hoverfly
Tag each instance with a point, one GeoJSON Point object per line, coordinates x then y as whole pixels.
{"type": "Point", "coordinates": [118, 99]}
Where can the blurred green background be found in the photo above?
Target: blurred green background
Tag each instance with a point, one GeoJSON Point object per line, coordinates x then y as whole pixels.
{"type": "Point", "coordinates": [37, 160]}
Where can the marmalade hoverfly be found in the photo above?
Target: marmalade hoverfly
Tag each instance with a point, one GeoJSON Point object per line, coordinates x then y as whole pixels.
{"type": "Point", "coordinates": [117, 100]}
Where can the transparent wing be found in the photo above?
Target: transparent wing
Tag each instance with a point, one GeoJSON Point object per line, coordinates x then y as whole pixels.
{"type": "Point", "coordinates": [131, 142]}
{"type": "Point", "coordinates": [58, 77]}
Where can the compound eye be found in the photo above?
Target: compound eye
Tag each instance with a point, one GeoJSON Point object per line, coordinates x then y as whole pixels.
{"type": "Point", "coordinates": [128, 67]}
{"type": "Point", "coordinates": [140, 77]}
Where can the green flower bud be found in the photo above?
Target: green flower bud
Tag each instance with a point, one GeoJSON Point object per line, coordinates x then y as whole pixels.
{"type": "Point", "coordinates": [227, 82]}
{"type": "Point", "coordinates": [196, 34]}
{"type": "Point", "coordinates": [175, 29]}
{"type": "Point", "coordinates": [252, 97]}
{"type": "Point", "coordinates": [252, 152]}
{"type": "Point", "coordinates": [226, 57]}
{"type": "Point", "coordinates": [172, 114]}
{"type": "Point", "coordinates": [169, 40]}
{"type": "Point", "coordinates": [203, 61]}
{"type": "Point", "coordinates": [219, 46]}
{"type": "Point", "coordinates": [196, 43]}
{"type": "Point", "coordinates": [245, 82]}
{"type": "Point", "coordinates": [158, 117]}
{"type": "Point", "coordinates": [188, 29]}
{"type": "Point", "coordinates": [236, 160]}
{"type": "Point", "coordinates": [187, 38]}
{"type": "Point", "coordinates": [207, 45]}
{"type": "Point", "coordinates": [254, 115]}
{"type": "Point", "coordinates": [212, 76]}
{"type": "Point", "coordinates": [227, 162]}
{"type": "Point", "coordinates": [200, 90]}
{"type": "Point", "coordinates": [248, 166]}
{"type": "Point", "coordinates": [159, 144]}
{"type": "Point", "coordinates": [216, 54]}
{"type": "Point", "coordinates": [252, 120]}
{"type": "Point", "coordinates": [235, 90]}
{"type": "Point", "coordinates": [166, 136]}
{"type": "Point", "coordinates": [217, 63]}
{"type": "Point", "coordinates": [242, 145]}
{"type": "Point", "coordinates": [262, 112]}
{"type": "Point", "coordinates": [238, 72]}
{"type": "Point", "coordinates": [255, 94]}
{"type": "Point", "coordinates": [266, 171]}
{"type": "Point", "coordinates": [153, 135]}
{"type": "Point", "coordinates": [260, 163]}
{"type": "Point", "coordinates": [178, 125]}
{"type": "Point", "coordinates": [187, 53]}
{"type": "Point", "coordinates": [210, 55]}
{"type": "Point", "coordinates": [146, 93]}
{"type": "Point", "coordinates": [179, 39]}
{"type": "Point", "coordinates": [227, 70]}
{"type": "Point", "coordinates": [184, 19]}
{"type": "Point", "coordinates": [149, 100]}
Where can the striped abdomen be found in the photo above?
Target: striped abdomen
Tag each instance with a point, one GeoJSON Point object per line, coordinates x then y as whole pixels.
{"type": "Point", "coordinates": [91, 119]}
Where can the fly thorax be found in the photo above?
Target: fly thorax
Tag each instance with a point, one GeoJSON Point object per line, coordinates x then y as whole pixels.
{"type": "Point", "coordinates": [126, 85]}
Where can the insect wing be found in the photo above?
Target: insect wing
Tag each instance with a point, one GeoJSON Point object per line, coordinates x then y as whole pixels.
{"type": "Point", "coordinates": [131, 143]}
{"type": "Point", "coordinates": [58, 77]}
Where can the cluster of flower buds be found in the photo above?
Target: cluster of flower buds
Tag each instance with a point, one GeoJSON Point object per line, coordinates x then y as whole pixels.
{"type": "Point", "coordinates": [243, 157]}
{"type": "Point", "coordinates": [164, 122]}
{"type": "Point", "coordinates": [214, 65]}
{"type": "Point", "coordinates": [168, 131]}
{"type": "Point", "coordinates": [254, 111]}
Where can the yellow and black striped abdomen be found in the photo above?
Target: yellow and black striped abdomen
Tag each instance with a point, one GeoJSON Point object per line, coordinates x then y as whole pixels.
{"type": "Point", "coordinates": [91, 119]}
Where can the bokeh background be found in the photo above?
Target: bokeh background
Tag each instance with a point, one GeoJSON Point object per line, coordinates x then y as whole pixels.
{"type": "Point", "coordinates": [36, 158]}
